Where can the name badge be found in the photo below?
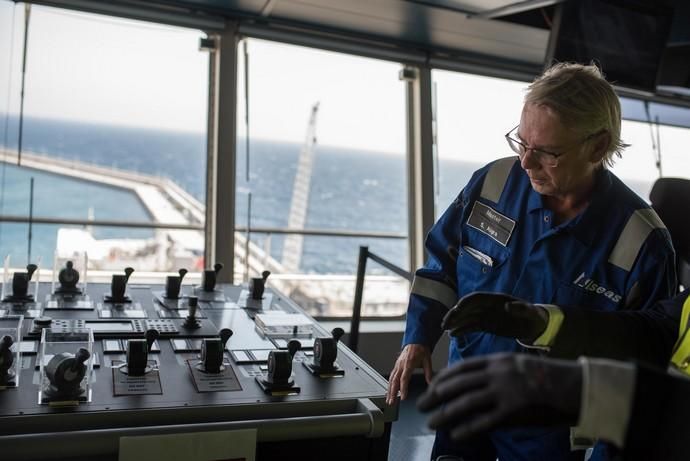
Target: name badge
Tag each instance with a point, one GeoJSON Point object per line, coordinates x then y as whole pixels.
{"type": "Point", "coordinates": [490, 222]}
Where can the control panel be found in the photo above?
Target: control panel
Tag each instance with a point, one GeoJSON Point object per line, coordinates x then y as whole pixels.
{"type": "Point", "coordinates": [88, 365]}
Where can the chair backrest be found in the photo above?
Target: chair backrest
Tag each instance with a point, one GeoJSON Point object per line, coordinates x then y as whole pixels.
{"type": "Point", "coordinates": [670, 198]}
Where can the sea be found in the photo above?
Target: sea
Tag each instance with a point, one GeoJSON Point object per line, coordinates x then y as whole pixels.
{"type": "Point", "coordinates": [351, 189]}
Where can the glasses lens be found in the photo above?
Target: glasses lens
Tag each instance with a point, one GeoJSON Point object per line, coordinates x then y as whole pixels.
{"type": "Point", "coordinates": [547, 159]}
{"type": "Point", "coordinates": [515, 146]}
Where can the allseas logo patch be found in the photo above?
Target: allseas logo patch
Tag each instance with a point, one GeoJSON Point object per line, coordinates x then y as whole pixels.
{"type": "Point", "coordinates": [588, 284]}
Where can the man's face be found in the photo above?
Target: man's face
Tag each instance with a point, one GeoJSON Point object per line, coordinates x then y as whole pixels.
{"type": "Point", "coordinates": [541, 128]}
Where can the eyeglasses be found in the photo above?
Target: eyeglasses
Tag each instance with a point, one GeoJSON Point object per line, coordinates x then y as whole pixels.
{"type": "Point", "coordinates": [544, 157]}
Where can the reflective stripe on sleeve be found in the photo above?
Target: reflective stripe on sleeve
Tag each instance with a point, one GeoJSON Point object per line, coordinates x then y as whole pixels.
{"type": "Point", "coordinates": [432, 289]}
{"type": "Point", "coordinates": [681, 352]}
{"type": "Point", "coordinates": [636, 230]}
{"type": "Point", "coordinates": [552, 327]}
{"type": "Point", "coordinates": [495, 179]}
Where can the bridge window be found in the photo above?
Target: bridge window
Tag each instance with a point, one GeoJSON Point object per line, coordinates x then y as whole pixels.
{"type": "Point", "coordinates": [113, 134]}
{"type": "Point", "coordinates": [326, 157]}
{"type": "Point", "coordinates": [473, 113]}
{"type": "Point", "coordinates": [675, 158]}
{"type": "Point", "coordinates": [638, 168]}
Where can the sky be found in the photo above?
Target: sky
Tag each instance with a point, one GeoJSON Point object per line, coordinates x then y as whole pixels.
{"type": "Point", "coordinates": [106, 70]}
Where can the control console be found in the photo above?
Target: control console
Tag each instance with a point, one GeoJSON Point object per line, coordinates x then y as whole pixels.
{"type": "Point", "coordinates": [136, 358]}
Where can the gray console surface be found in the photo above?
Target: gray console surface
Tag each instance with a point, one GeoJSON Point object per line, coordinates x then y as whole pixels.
{"type": "Point", "coordinates": [181, 399]}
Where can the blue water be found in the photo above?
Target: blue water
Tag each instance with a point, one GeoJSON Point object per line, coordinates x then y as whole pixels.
{"type": "Point", "coordinates": [351, 189]}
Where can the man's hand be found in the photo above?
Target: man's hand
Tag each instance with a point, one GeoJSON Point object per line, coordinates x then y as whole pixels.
{"type": "Point", "coordinates": [500, 391]}
{"type": "Point", "coordinates": [412, 356]}
{"type": "Point", "coordinates": [496, 313]}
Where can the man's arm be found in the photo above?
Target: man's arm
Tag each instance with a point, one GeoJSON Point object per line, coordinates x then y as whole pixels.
{"type": "Point", "coordinates": [433, 292]}
{"type": "Point", "coordinates": [644, 335]}
{"type": "Point", "coordinates": [658, 427]}
{"type": "Point", "coordinates": [640, 410]}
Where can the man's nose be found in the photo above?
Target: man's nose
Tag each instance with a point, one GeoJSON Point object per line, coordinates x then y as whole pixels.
{"type": "Point", "coordinates": [529, 161]}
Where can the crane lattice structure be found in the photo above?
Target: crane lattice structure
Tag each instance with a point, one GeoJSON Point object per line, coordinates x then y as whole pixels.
{"type": "Point", "coordinates": [292, 248]}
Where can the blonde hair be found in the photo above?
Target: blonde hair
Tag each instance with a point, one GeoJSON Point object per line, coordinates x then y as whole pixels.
{"type": "Point", "coordinates": [584, 100]}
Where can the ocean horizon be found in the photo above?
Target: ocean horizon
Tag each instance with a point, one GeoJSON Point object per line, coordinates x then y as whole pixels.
{"type": "Point", "coordinates": [351, 189]}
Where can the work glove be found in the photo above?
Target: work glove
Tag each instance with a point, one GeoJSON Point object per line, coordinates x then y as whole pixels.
{"type": "Point", "coordinates": [481, 394]}
{"type": "Point", "coordinates": [496, 313]}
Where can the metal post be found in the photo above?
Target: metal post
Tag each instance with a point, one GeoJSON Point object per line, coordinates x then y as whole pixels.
{"type": "Point", "coordinates": [420, 159]}
{"type": "Point", "coordinates": [359, 290]}
{"type": "Point", "coordinates": [31, 218]}
{"type": "Point", "coordinates": [224, 143]}
{"type": "Point", "coordinates": [27, 16]}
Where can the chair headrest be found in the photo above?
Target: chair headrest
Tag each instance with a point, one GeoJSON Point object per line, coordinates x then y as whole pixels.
{"type": "Point", "coordinates": [670, 198]}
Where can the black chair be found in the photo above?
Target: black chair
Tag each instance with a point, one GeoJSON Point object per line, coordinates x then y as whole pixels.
{"type": "Point", "coordinates": [670, 198]}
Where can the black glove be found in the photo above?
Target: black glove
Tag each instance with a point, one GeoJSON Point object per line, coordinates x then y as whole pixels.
{"type": "Point", "coordinates": [501, 391]}
{"type": "Point", "coordinates": [496, 313]}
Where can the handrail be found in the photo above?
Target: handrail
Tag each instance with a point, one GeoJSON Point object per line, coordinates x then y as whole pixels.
{"type": "Point", "coordinates": [365, 254]}
{"type": "Point", "coordinates": [101, 222]}
{"type": "Point", "coordinates": [199, 227]}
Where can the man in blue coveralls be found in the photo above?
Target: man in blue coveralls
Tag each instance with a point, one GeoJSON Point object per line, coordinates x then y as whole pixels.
{"type": "Point", "coordinates": [552, 225]}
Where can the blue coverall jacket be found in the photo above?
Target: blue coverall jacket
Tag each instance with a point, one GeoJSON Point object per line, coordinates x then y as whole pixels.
{"type": "Point", "coordinates": [497, 236]}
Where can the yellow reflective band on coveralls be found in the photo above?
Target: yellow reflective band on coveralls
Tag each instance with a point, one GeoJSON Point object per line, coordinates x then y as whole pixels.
{"type": "Point", "coordinates": [680, 359]}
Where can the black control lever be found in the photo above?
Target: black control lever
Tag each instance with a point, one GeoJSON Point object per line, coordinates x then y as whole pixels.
{"type": "Point", "coordinates": [280, 365]}
{"type": "Point", "coordinates": [151, 337]}
{"type": "Point", "coordinates": [65, 373]}
{"type": "Point", "coordinates": [257, 285]}
{"type": "Point", "coordinates": [118, 287]}
{"type": "Point", "coordinates": [212, 350]}
{"type": "Point", "coordinates": [80, 357]}
{"type": "Point", "coordinates": [68, 278]}
{"type": "Point", "coordinates": [20, 284]}
{"type": "Point", "coordinates": [191, 321]}
{"type": "Point", "coordinates": [128, 273]}
{"type": "Point", "coordinates": [6, 360]}
{"type": "Point", "coordinates": [138, 354]}
{"type": "Point", "coordinates": [210, 277]}
{"type": "Point", "coordinates": [326, 349]}
{"type": "Point", "coordinates": [225, 335]}
{"type": "Point", "coordinates": [173, 283]}
{"type": "Point", "coordinates": [325, 353]}
{"type": "Point", "coordinates": [30, 269]}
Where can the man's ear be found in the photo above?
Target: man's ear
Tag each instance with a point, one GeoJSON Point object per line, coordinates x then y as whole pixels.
{"type": "Point", "coordinates": [599, 144]}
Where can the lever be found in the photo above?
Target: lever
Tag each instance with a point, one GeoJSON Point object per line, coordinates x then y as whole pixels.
{"type": "Point", "coordinates": [280, 365]}
{"type": "Point", "coordinates": [212, 352]}
{"type": "Point", "coordinates": [225, 335]}
{"type": "Point", "coordinates": [191, 321]}
{"type": "Point", "coordinates": [138, 353]}
{"type": "Point", "coordinates": [151, 337]}
{"type": "Point", "coordinates": [65, 373]}
{"type": "Point", "coordinates": [6, 359]}
{"type": "Point", "coordinates": [293, 346]}
{"type": "Point", "coordinates": [30, 269]}
{"type": "Point", "coordinates": [80, 357]}
{"type": "Point", "coordinates": [257, 285]}
{"type": "Point", "coordinates": [118, 287]}
{"type": "Point", "coordinates": [337, 333]}
{"type": "Point", "coordinates": [128, 272]}
{"type": "Point", "coordinates": [325, 353]}
{"type": "Point", "coordinates": [68, 278]}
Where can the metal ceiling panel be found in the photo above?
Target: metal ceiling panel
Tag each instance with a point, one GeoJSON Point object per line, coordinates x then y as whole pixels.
{"type": "Point", "coordinates": [420, 26]}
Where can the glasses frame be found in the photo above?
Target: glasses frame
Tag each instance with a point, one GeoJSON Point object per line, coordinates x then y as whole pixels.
{"type": "Point", "coordinates": [544, 157]}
